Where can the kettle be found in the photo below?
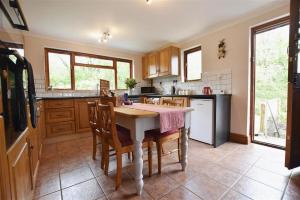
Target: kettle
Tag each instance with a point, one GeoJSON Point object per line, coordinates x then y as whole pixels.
{"type": "Point", "coordinates": [207, 91]}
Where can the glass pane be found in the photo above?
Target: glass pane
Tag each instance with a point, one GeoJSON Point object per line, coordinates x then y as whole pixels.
{"type": "Point", "coordinates": [88, 78]}
{"type": "Point", "coordinates": [271, 81]}
{"type": "Point", "coordinates": [123, 72]}
{"type": "Point", "coordinates": [93, 61]}
{"type": "Point", "coordinates": [194, 65]}
{"type": "Point", "coordinates": [59, 71]}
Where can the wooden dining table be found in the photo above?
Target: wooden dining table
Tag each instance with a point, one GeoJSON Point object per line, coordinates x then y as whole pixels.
{"type": "Point", "coordinates": [138, 121]}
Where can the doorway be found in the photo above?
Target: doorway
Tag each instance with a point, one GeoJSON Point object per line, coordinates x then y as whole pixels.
{"type": "Point", "coordinates": [269, 83]}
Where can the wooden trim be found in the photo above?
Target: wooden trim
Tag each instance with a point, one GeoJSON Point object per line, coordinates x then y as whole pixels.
{"type": "Point", "coordinates": [185, 62]}
{"type": "Point", "coordinates": [5, 192]}
{"type": "Point", "coordinates": [73, 64]}
{"type": "Point", "coordinates": [256, 30]}
{"type": "Point", "coordinates": [47, 78]}
{"type": "Point", "coordinates": [239, 138]}
{"type": "Point", "coordinates": [13, 45]}
{"type": "Point", "coordinates": [271, 25]}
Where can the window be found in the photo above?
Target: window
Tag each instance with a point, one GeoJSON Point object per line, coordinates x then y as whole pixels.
{"type": "Point", "coordinates": [123, 72]}
{"type": "Point", "coordinates": [193, 64]}
{"type": "Point", "coordinates": [59, 70]}
{"type": "Point", "coordinates": [78, 71]}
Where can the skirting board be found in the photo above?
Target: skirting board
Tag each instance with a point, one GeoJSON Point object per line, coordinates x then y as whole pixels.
{"type": "Point", "coordinates": [238, 138]}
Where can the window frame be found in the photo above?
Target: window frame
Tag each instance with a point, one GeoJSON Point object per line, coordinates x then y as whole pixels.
{"type": "Point", "coordinates": [185, 55]}
{"type": "Point", "coordinates": [73, 54]}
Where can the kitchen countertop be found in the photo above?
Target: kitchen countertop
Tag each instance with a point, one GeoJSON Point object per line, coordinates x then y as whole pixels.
{"type": "Point", "coordinates": [200, 96]}
{"type": "Point", "coordinates": [65, 97]}
{"type": "Point", "coordinates": [190, 96]}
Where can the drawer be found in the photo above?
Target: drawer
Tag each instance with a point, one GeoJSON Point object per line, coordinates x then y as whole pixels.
{"type": "Point", "coordinates": [59, 103]}
{"type": "Point", "coordinates": [59, 115]}
{"type": "Point", "coordinates": [61, 128]}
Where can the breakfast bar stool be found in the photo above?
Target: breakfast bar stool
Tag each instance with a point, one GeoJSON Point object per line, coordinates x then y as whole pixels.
{"type": "Point", "coordinates": [118, 138]}
{"type": "Point", "coordinates": [161, 138]}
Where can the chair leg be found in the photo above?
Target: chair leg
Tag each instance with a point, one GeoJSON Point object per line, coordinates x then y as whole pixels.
{"type": "Point", "coordinates": [119, 170]}
{"type": "Point", "coordinates": [179, 149]}
{"type": "Point", "coordinates": [102, 156]}
{"type": "Point", "coordinates": [94, 146]}
{"type": "Point", "coordinates": [150, 158]}
{"type": "Point", "coordinates": [158, 147]}
{"type": "Point", "coordinates": [106, 158]}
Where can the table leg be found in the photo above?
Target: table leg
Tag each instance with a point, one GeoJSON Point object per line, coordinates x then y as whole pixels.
{"type": "Point", "coordinates": [184, 147]}
{"type": "Point", "coordinates": [138, 161]}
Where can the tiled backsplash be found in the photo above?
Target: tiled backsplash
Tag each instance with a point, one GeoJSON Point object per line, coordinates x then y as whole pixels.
{"type": "Point", "coordinates": [217, 81]}
{"type": "Point", "coordinates": [41, 92]}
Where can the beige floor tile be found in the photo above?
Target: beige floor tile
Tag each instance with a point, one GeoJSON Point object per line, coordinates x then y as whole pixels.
{"type": "Point", "coordinates": [127, 191]}
{"type": "Point", "coordinates": [222, 175]}
{"type": "Point", "coordinates": [52, 196]}
{"type": "Point", "coordinates": [47, 186]}
{"type": "Point", "coordinates": [88, 190]}
{"type": "Point", "coordinates": [206, 188]}
{"type": "Point", "coordinates": [180, 193]}
{"type": "Point", "coordinates": [256, 190]}
{"type": "Point", "coordinates": [175, 172]}
{"type": "Point", "coordinates": [76, 176]}
{"type": "Point", "coordinates": [159, 185]}
{"type": "Point", "coordinates": [107, 183]}
{"type": "Point", "coordinates": [269, 178]}
{"type": "Point", "coordinates": [273, 166]}
{"type": "Point", "coordinates": [233, 195]}
{"type": "Point", "coordinates": [235, 164]}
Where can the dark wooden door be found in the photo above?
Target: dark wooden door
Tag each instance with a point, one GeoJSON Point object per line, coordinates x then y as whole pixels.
{"type": "Point", "coordinates": [292, 159]}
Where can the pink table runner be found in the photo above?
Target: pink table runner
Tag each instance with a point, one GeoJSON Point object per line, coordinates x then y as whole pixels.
{"type": "Point", "coordinates": [171, 118]}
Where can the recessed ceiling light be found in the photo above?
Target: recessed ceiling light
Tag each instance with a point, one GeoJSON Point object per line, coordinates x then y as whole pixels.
{"type": "Point", "coordinates": [148, 2]}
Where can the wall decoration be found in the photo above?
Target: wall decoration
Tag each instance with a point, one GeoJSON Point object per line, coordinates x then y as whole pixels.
{"type": "Point", "coordinates": [222, 49]}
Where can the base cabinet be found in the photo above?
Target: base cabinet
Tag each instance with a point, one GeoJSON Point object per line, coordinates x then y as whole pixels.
{"type": "Point", "coordinates": [19, 163]}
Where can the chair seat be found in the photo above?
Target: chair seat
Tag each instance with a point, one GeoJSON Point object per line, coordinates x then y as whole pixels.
{"type": "Point", "coordinates": [156, 134]}
{"type": "Point", "coordinates": [124, 136]}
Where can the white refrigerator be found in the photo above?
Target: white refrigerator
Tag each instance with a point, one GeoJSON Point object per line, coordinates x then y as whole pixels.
{"type": "Point", "coordinates": [202, 120]}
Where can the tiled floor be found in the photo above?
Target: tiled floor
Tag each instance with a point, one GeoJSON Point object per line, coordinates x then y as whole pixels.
{"type": "Point", "coordinates": [231, 171]}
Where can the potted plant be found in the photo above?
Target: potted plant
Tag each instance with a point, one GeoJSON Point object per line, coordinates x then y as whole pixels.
{"type": "Point", "coordinates": [130, 84]}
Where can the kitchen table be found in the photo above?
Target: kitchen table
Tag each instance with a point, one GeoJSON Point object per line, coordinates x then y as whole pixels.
{"type": "Point", "coordinates": [138, 121]}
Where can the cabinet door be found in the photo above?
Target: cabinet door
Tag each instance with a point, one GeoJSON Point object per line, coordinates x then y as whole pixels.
{"type": "Point", "coordinates": [20, 169]}
{"type": "Point", "coordinates": [82, 116]}
{"type": "Point", "coordinates": [153, 65]}
{"type": "Point", "coordinates": [33, 151]}
{"type": "Point", "coordinates": [59, 115]}
{"type": "Point", "coordinates": [165, 62]}
{"type": "Point", "coordinates": [145, 67]}
{"type": "Point", "coordinates": [185, 100]}
{"type": "Point", "coordinates": [61, 128]}
{"type": "Point", "coordinates": [202, 120]}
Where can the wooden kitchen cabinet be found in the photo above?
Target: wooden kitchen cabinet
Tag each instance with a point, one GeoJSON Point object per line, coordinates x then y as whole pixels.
{"type": "Point", "coordinates": [166, 62]}
{"type": "Point", "coordinates": [169, 62]}
{"type": "Point", "coordinates": [60, 128]}
{"type": "Point", "coordinates": [81, 112]}
{"type": "Point", "coordinates": [145, 73]}
{"type": "Point", "coordinates": [19, 164]}
{"type": "Point", "coordinates": [60, 115]}
{"type": "Point", "coordinates": [153, 65]}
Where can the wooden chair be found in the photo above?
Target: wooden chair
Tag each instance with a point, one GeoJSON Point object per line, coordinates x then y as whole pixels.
{"type": "Point", "coordinates": [92, 110]}
{"type": "Point", "coordinates": [118, 138]}
{"type": "Point", "coordinates": [169, 136]}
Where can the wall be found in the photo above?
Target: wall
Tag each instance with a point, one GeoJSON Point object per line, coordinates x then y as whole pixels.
{"type": "Point", "coordinates": [237, 37]}
{"type": "Point", "coordinates": [34, 52]}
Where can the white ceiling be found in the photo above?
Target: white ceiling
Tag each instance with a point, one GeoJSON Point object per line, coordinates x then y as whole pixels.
{"type": "Point", "coordinates": [134, 25]}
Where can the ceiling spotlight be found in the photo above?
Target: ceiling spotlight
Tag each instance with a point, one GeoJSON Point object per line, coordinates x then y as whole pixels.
{"type": "Point", "coordinates": [148, 2]}
{"type": "Point", "coordinates": [105, 37]}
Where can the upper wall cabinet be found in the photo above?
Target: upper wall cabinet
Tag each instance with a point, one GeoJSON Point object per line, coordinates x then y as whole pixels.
{"type": "Point", "coordinates": [165, 62]}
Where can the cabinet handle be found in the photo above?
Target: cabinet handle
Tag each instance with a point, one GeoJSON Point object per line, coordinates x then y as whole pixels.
{"type": "Point", "coordinates": [31, 147]}
{"type": "Point", "coordinates": [199, 104]}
